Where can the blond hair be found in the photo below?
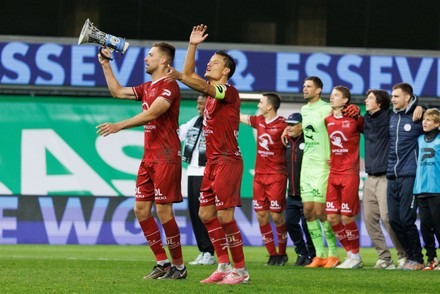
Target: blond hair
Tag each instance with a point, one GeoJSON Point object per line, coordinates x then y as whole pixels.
{"type": "Point", "coordinates": [434, 113]}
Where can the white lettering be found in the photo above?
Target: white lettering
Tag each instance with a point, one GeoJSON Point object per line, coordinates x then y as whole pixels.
{"type": "Point", "coordinates": [36, 144]}
{"type": "Point", "coordinates": [418, 82]}
{"type": "Point", "coordinates": [21, 73]}
{"type": "Point", "coordinates": [243, 82]}
{"type": "Point", "coordinates": [343, 69]}
{"type": "Point", "coordinates": [73, 217]}
{"type": "Point", "coordinates": [377, 76]}
{"type": "Point", "coordinates": [8, 223]}
{"type": "Point", "coordinates": [284, 74]}
{"type": "Point", "coordinates": [54, 70]}
{"type": "Point", "coordinates": [80, 68]}
{"type": "Point", "coordinates": [313, 68]}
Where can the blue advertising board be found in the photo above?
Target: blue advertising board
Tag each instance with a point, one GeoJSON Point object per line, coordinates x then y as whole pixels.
{"type": "Point", "coordinates": [54, 64]}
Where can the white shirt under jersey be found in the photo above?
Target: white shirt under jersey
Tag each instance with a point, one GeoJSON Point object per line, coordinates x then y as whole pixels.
{"type": "Point", "coordinates": [193, 168]}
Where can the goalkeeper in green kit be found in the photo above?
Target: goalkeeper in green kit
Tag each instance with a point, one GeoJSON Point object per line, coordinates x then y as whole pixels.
{"type": "Point", "coordinates": [314, 173]}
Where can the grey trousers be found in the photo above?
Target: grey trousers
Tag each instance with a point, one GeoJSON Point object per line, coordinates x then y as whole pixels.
{"type": "Point", "coordinates": [375, 210]}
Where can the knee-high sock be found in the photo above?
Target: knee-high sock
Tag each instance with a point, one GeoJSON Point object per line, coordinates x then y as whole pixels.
{"type": "Point", "coordinates": [316, 236]}
{"type": "Point", "coordinates": [282, 239]}
{"type": "Point", "coordinates": [218, 238]}
{"type": "Point", "coordinates": [341, 235]}
{"type": "Point", "coordinates": [268, 239]}
{"type": "Point", "coordinates": [353, 236]}
{"type": "Point", "coordinates": [152, 234]}
{"type": "Point", "coordinates": [173, 241]}
{"type": "Point", "coordinates": [331, 239]}
{"type": "Point", "coordinates": [235, 243]}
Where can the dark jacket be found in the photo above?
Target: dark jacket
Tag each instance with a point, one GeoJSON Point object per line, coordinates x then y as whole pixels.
{"type": "Point", "coordinates": [294, 154]}
{"type": "Point", "coordinates": [402, 151]}
{"type": "Point", "coordinates": [376, 135]}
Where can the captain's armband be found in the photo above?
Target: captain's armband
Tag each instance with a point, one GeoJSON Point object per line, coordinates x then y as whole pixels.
{"type": "Point", "coordinates": [220, 91]}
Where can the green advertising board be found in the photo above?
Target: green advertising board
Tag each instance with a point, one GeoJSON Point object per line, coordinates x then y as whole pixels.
{"type": "Point", "coordinates": [49, 146]}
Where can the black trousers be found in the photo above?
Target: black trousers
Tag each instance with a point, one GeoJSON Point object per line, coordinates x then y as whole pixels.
{"type": "Point", "coordinates": [402, 212]}
{"type": "Point", "coordinates": [297, 228]}
{"type": "Point", "coordinates": [202, 237]}
{"type": "Point", "coordinates": [429, 211]}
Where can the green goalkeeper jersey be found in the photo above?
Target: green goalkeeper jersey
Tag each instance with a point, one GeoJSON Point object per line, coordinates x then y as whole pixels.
{"type": "Point", "coordinates": [317, 145]}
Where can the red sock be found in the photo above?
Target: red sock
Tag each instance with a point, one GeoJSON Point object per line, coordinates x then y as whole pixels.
{"type": "Point", "coordinates": [218, 239]}
{"type": "Point", "coordinates": [152, 234]}
{"type": "Point", "coordinates": [173, 241]}
{"type": "Point", "coordinates": [353, 236]}
{"type": "Point", "coordinates": [341, 235]}
{"type": "Point", "coordinates": [282, 239]}
{"type": "Point", "coordinates": [268, 240]}
{"type": "Point", "coordinates": [235, 243]}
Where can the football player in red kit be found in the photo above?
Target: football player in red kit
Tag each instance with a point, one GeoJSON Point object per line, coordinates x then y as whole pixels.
{"type": "Point", "coordinates": [158, 180]}
{"type": "Point", "coordinates": [270, 179]}
{"type": "Point", "coordinates": [220, 190]}
{"type": "Point", "coordinates": [342, 201]}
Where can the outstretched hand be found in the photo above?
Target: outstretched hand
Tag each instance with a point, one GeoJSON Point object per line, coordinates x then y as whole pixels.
{"type": "Point", "coordinates": [173, 74]}
{"type": "Point", "coordinates": [351, 110]}
{"type": "Point", "coordinates": [106, 129]}
{"type": "Point", "coordinates": [198, 34]}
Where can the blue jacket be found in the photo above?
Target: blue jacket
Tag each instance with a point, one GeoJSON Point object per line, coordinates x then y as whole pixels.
{"type": "Point", "coordinates": [402, 151]}
{"type": "Point", "coordinates": [376, 135]}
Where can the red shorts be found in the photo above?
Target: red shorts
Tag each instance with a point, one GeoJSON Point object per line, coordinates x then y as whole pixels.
{"type": "Point", "coordinates": [221, 184]}
{"type": "Point", "coordinates": [269, 192]}
{"type": "Point", "coordinates": [159, 182]}
{"type": "Point", "coordinates": [343, 195]}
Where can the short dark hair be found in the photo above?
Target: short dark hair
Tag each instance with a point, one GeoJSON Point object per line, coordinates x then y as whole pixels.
{"type": "Point", "coordinates": [382, 97]}
{"type": "Point", "coordinates": [229, 61]}
{"type": "Point", "coordinates": [168, 49]}
{"type": "Point", "coordinates": [317, 81]}
{"type": "Point", "coordinates": [274, 99]}
{"type": "Point", "coordinates": [405, 87]}
{"type": "Point", "coordinates": [345, 92]}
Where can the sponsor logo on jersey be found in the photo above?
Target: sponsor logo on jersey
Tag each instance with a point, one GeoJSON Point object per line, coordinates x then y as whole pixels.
{"type": "Point", "coordinates": [309, 132]}
{"type": "Point", "coordinates": [166, 93]}
{"type": "Point", "coordinates": [264, 141]}
{"type": "Point", "coordinates": [337, 138]}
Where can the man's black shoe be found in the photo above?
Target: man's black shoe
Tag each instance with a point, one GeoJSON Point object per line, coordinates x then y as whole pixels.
{"type": "Point", "coordinates": [308, 261]}
{"type": "Point", "coordinates": [300, 260]}
{"type": "Point", "coordinates": [281, 260]}
{"type": "Point", "coordinates": [272, 260]}
{"type": "Point", "coordinates": [174, 274]}
{"type": "Point", "coordinates": [158, 271]}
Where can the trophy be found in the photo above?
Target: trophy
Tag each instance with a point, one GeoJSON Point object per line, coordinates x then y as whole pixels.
{"type": "Point", "coordinates": [91, 34]}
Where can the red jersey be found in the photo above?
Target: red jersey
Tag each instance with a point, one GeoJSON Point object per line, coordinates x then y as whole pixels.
{"type": "Point", "coordinates": [220, 125]}
{"type": "Point", "coordinates": [344, 134]}
{"type": "Point", "coordinates": [161, 140]}
{"type": "Point", "coordinates": [271, 152]}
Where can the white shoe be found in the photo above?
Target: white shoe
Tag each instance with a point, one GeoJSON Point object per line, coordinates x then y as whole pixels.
{"type": "Point", "coordinates": [345, 263]}
{"type": "Point", "coordinates": [351, 263]}
{"type": "Point", "coordinates": [384, 264]}
{"type": "Point", "coordinates": [197, 260]}
{"type": "Point", "coordinates": [401, 263]}
{"type": "Point", "coordinates": [207, 259]}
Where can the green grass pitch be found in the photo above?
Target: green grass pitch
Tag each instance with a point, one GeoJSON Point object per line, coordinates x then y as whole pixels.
{"type": "Point", "coordinates": [119, 269]}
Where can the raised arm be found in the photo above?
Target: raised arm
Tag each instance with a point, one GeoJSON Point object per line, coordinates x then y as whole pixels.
{"type": "Point", "coordinates": [188, 76]}
{"type": "Point", "coordinates": [114, 86]}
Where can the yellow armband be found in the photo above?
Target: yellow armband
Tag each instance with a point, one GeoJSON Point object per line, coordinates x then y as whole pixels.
{"type": "Point", "coordinates": [220, 91]}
